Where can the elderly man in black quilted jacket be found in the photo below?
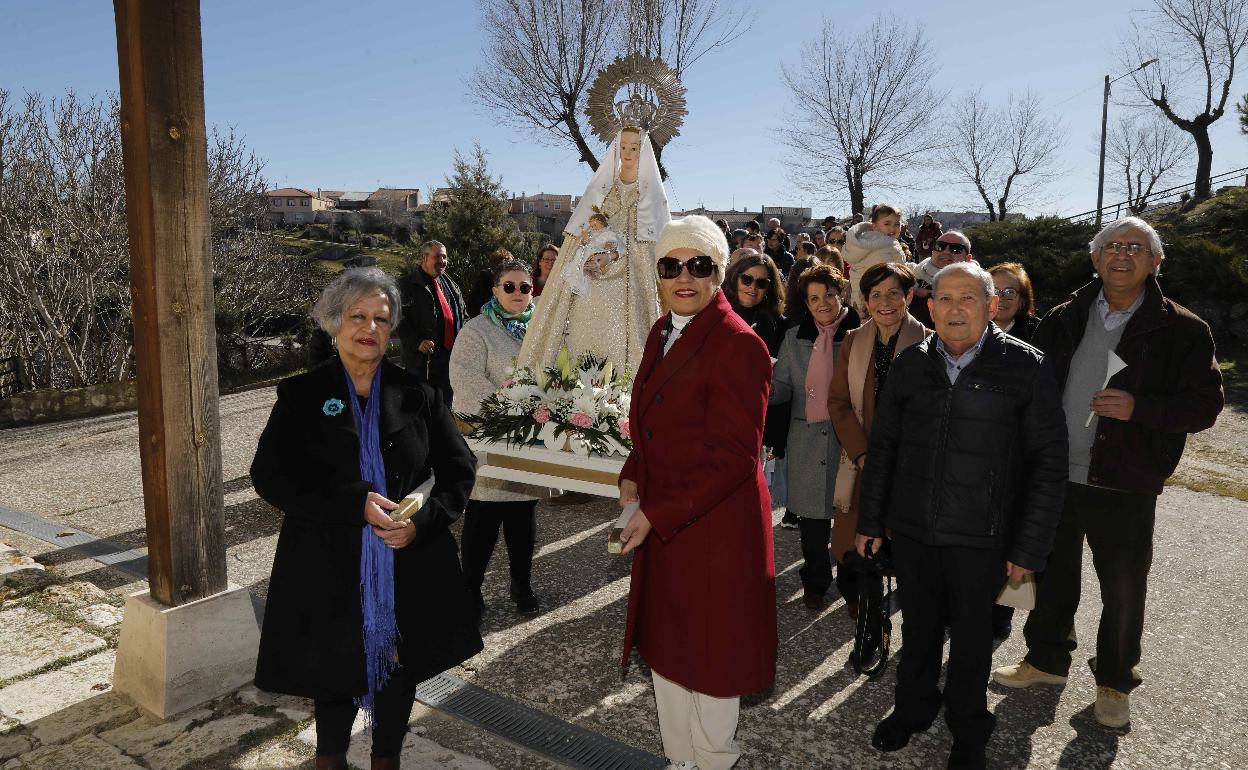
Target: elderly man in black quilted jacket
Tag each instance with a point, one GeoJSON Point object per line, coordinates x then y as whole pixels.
{"type": "Point", "coordinates": [966, 469]}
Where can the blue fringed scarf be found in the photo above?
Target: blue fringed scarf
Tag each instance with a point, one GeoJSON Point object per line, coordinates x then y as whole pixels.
{"type": "Point", "coordinates": [381, 632]}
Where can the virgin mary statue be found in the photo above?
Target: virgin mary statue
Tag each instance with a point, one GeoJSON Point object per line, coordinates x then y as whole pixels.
{"type": "Point", "coordinates": [614, 316]}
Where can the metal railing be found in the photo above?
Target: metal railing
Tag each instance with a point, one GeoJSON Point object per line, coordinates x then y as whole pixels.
{"type": "Point", "coordinates": [1155, 199]}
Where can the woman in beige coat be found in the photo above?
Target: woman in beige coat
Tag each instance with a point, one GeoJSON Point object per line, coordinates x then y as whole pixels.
{"type": "Point", "coordinates": [864, 359]}
{"type": "Point", "coordinates": [481, 360]}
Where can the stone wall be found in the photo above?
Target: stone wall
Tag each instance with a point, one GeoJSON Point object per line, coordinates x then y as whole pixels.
{"type": "Point", "coordinates": [37, 406]}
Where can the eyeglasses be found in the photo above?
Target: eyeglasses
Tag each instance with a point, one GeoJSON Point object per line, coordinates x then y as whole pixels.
{"type": "Point", "coordinates": [748, 280]}
{"type": "Point", "coordinates": [1130, 249]}
{"type": "Point", "coordinates": [700, 266]}
{"type": "Point", "coordinates": [837, 241]}
{"type": "Point", "coordinates": [951, 247]}
{"type": "Point", "coordinates": [510, 288]}
{"type": "Point", "coordinates": [1008, 294]}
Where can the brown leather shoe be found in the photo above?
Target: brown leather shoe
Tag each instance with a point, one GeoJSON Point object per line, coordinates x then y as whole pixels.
{"type": "Point", "coordinates": [386, 763]}
{"type": "Point", "coordinates": [813, 601]}
{"type": "Point", "coordinates": [331, 762]}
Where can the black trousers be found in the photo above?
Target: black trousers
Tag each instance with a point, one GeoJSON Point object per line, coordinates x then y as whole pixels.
{"type": "Point", "coordinates": [481, 523]}
{"type": "Point", "coordinates": [434, 369]}
{"type": "Point", "coordinates": [956, 586]}
{"type": "Point", "coordinates": [816, 571]}
{"type": "Point", "coordinates": [392, 707]}
{"type": "Point", "coordinates": [1119, 529]}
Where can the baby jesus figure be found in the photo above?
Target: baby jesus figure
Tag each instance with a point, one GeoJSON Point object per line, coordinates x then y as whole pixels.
{"type": "Point", "coordinates": [599, 249]}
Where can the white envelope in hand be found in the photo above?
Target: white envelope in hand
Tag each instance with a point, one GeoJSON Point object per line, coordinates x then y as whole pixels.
{"type": "Point", "coordinates": [1020, 595]}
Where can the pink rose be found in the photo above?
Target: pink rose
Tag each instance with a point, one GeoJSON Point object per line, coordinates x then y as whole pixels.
{"type": "Point", "coordinates": [581, 420]}
{"type": "Point", "coordinates": [542, 415]}
{"type": "Point", "coordinates": [624, 429]}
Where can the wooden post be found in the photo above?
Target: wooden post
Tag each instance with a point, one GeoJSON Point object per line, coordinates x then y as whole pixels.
{"type": "Point", "coordinates": [160, 60]}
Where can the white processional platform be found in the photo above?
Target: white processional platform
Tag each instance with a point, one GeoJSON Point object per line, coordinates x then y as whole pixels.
{"type": "Point", "coordinates": [544, 467]}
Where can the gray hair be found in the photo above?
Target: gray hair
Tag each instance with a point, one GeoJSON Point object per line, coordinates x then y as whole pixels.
{"type": "Point", "coordinates": [424, 247]}
{"type": "Point", "coordinates": [348, 287]}
{"type": "Point", "coordinates": [969, 268]}
{"type": "Point", "coordinates": [1107, 233]}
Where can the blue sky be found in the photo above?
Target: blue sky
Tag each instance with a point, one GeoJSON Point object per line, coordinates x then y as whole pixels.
{"type": "Point", "coordinates": [352, 96]}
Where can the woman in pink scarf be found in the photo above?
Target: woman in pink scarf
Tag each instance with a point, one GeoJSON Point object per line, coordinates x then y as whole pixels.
{"type": "Point", "coordinates": [802, 376]}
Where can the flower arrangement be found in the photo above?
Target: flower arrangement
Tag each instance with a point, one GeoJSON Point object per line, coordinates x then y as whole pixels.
{"type": "Point", "coordinates": [581, 408]}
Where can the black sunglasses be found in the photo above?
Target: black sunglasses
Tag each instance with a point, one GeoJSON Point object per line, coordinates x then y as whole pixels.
{"type": "Point", "coordinates": [510, 288]}
{"type": "Point", "coordinates": [700, 266]}
{"type": "Point", "coordinates": [748, 280]}
{"type": "Point", "coordinates": [955, 248]}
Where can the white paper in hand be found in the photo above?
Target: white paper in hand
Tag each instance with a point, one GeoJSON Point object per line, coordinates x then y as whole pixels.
{"type": "Point", "coordinates": [614, 545]}
{"type": "Point", "coordinates": [1020, 595]}
{"type": "Point", "coordinates": [1116, 365]}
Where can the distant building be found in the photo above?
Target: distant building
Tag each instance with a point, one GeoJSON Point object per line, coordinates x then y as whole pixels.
{"type": "Point", "coordinates": [957, 220]}
{"type": "Point", "coordinates": [542, 204]}
{"type": "Point", "coordinates": [792, 218]}
{"type": "Point", "coordinates": [544, 213]}
{"type": "Point", "coordinates": [293, 205]}
{"type": "Point", "coordinates": [735, 219]}
{"type": "Point", "coordinates": [396, 201]}
{"type": "Point", "coordinates": [353, 201]}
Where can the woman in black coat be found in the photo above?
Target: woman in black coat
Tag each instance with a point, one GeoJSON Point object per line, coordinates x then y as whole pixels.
{"type": "Point", "coordinates": [1016, 311]}
{"type": "Point", "coordinates": [311, 464]}
{"type": "Point", "coordinates": [755, 290]}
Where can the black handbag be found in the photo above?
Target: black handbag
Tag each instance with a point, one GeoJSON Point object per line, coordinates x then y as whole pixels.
{"type": "Point", "coordinates": [873, 633]}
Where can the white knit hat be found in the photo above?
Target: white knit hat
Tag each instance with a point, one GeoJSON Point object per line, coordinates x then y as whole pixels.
{"type": "Point", "coordinates": [694, 232]}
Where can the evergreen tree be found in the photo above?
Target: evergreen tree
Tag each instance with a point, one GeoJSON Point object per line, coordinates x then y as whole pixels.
{"type": "Point", "coordinates": [473, 220]}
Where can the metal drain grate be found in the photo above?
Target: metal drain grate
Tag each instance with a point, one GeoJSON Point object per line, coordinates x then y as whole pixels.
{"type": "Point", "coordinates": [102, 550]}
{"type": "Point", "coordinates": [560, 741]}
{"type": "Point", "coordinates": [549, 736]}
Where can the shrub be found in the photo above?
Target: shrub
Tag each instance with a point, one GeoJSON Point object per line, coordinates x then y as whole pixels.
{"type": "Point", "coordinates": [1198, 269]}
{"type": "Point", "coordinates": [1053, 251]}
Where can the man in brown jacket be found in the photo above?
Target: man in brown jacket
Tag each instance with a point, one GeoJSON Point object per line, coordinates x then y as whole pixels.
{"type": "Point", "coordinates": [1138, 374]}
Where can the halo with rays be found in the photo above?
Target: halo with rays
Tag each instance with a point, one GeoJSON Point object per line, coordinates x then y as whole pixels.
{"type": "Point", "coordinates": [654, 100]}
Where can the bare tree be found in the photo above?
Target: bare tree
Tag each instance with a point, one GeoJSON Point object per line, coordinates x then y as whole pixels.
{"type": "Point", "coordinates": [1196, 44]}
{"type": "Point", "coordinates": [63, 289]}
{"type": "Point", "coordinates": [1143, 152]}
{"type": "Point", "coordinates": [541, 56]}
{"type": "Point", "coordinates": [539, 59]}
{"type": "Point", "coordinates": [1006, 154]}
{"type": "Point", "coordinates": [864, 109]}
{"type": "Point", "coordinates": [680, 32]}
{"type": "Point", "coordinates": [257, 290]}
{"type": "Point", "coordinates": [65, 304]}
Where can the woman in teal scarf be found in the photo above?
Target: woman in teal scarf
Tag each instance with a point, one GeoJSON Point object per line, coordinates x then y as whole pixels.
{"type": "Point", "coordinates": [480, 363]}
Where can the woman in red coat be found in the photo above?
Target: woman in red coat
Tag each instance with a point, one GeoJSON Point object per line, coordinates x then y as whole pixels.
{"type": "Point", "coordinates": [702, 605]}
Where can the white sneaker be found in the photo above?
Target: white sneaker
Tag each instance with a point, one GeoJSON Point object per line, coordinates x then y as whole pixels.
{"type": "Point", "coordinates": [1113, 708]}
{"type": "Point", "coordinates": [1023, 674]}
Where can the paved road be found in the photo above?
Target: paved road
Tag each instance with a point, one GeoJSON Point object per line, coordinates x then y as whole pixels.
{"type": "Point", "coordinates": [1189, 714]}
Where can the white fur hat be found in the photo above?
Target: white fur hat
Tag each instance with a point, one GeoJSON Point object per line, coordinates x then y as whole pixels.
{"type": "Point", "coordinates": [694, 232]}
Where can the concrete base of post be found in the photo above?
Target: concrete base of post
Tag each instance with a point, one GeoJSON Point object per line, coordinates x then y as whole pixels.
{"type": "Point", "coordinates": [170, 659]}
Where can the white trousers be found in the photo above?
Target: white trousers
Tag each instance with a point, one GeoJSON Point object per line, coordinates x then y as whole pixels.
{"type": "Point", "coordinates": [695, 727]}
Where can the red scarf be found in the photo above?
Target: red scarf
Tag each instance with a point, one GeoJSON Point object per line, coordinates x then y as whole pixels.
{"type": "Point", "coordinates": [448, 319]}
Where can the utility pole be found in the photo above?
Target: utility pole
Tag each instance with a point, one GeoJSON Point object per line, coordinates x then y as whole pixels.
{"type": "Point", "coordinates": [1100, 177]}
